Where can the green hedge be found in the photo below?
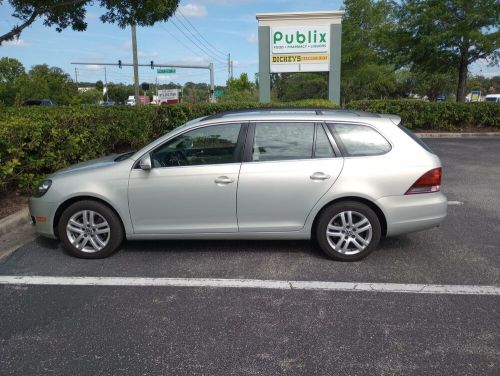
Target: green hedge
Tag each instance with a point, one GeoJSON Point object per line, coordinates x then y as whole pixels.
{"type": "Point", "coordinates": [438, 116]}
{"type": "Point", "coordinates": [35, 142]}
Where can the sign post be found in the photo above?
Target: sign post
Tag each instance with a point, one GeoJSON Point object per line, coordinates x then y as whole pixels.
{"type": "Point", "coordinates": [300, 42]}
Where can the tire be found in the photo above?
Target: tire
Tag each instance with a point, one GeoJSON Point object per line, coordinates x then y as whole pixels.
{"type": "Point", "coordinates": [95, 231]}
{"type": "Point", "coordinates": [358, 240]}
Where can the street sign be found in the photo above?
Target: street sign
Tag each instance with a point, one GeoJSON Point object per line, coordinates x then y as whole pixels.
{"type": "Point", "coordinates": [165, 70]}
{"type": "Point", "coordinates": [218, 93]}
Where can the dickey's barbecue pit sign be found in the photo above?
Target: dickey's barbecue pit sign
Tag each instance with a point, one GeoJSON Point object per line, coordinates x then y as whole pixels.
{"type": "Point", "coordinates": [300, 49]}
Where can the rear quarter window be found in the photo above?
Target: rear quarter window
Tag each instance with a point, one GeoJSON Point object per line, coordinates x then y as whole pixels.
{"type": "Point", "coordinates": [415, 138]}
{"type": "Point", "coordinates": [359, 140]}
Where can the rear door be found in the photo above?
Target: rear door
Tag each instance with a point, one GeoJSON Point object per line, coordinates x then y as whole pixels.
{"type": "Point", "coordinates": [287, 168]}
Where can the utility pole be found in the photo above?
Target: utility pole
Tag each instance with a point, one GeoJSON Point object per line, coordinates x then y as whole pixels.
{"type": "Point", "coordinates": [229, 66]}
{"type": "Point", "coordinates": [212, 88]}
{"type": "Point", "coordinates": [136, 67]}
{"type": "Point", "coordinates": [231, 69]}
{"type": "Point", "coordinates": [76, 76]}
{"type": "Point", "coordinates": [106, 84]}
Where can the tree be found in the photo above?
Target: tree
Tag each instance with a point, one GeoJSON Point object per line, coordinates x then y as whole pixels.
{"type": "Point", "coordinates": [43, 81]}
{"type": "Point", "coordinates": [66, 13]}
{"type": "Point", "coordinates": [289, 87]}
{"type": "Point", "coordinates": [239, 89]}
{"type": "Point", "coordinates": [436, 36]}
{"type": "Point", "coordinates": [366, 69]}
{"type": "Point", "coordinates": [10, 70]}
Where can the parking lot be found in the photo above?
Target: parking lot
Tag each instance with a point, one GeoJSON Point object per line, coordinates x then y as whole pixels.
{"type": "Point", "coordinates": [87, 329]}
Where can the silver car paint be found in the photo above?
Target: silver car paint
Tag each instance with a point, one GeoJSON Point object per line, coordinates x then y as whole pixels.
{"type": "Point", "coordinates": [197, 207]}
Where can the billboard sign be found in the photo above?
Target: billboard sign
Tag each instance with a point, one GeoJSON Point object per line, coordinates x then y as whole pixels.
{"type": "Point", "coordinates": [168, 96]}
{"type": "Point", "coordinates": [300, 48]}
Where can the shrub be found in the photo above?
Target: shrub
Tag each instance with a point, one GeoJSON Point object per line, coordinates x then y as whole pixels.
{"type": "Point", "coordinates": [37, 141]}
{"type": "Point", "coordinates": [442, 116]}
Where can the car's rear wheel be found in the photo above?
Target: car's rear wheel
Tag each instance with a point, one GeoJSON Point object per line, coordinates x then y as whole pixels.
{"type": "Point", "coordinates": [348, 231]}
{"type": "Point", "coordinates": [89, 229]}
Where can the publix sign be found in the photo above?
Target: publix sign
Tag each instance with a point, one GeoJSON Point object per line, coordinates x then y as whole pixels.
{"type": "Point", "coordinates": [300, 39]}
{"type": "Point", "coordinates": [300, 48]}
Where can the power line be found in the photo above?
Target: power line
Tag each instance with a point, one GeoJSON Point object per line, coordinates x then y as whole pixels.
{"type": "Point", "coordinates": [180, 42]}
{"type": "Point", "coordinates": [200, 34]}
{"type": "Point", "coordinates": [202, 48]}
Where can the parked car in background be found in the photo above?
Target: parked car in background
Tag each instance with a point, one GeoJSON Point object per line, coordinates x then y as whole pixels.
{"type": "Point", "coordinates": [39, 102]}
{"type": "Point", "coordinates": [492, 98]}
{"type": "Point", "coordinates": [343, 178]}
{"type": "Point", "coordinates": [106, 103]}
{"type": "Point", "coordinates": [131, 100]}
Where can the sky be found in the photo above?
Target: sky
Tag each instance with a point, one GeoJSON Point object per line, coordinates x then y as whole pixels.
{"type": "Point", "coordinates": [226, 26]}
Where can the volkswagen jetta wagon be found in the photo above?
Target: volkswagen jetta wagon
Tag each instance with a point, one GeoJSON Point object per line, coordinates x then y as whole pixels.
{"type": "Point", "coordinates": [342, 178]}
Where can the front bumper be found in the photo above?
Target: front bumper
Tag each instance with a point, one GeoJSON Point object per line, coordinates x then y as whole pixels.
{"type": "Point", "coordinates": [42, 213]}
{"type": "Point", "coordinates": [412, 213]}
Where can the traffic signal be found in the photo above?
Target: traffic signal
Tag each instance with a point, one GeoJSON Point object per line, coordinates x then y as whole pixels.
{"type": "Point", "coordinates": [120, 64]}
{"type": "Point", "coordinates": [152, 64]}
{"type": "Point", "coordinates": [145, 86]}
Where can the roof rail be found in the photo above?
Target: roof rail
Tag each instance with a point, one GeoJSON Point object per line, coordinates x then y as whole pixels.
{"type": "Point", "coordinates": [317, 110]}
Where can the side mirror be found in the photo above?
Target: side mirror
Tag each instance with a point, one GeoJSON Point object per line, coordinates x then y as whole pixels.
{"type": "Point", "coordinates": [145, 162]}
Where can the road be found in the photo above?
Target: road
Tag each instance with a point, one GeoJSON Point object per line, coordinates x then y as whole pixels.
{"type": "Point", "coordinates": [86, 329]}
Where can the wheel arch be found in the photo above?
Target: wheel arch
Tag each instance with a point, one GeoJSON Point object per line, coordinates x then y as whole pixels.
{"type": "Point", "coordinates": [380, 214]}
{"type": "Point", "coordinates": [70, 201]}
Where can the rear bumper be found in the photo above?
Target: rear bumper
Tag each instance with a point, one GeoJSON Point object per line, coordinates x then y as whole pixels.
{"type": "Point", "coordinates": [412, 213]}
{"type": "Point", "coordinates": [42, 214]}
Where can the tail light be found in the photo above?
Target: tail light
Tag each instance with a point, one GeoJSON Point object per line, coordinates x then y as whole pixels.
{"type": "Point", "coordinates": [427, 183]}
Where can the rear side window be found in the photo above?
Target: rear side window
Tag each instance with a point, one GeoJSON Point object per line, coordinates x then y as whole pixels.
{"type": "Point", "coordinates": [415, 138]}
{"type": "Point", "coordinates": [283, 141]}
{"type": "Point", "coordinates": [359, 140]}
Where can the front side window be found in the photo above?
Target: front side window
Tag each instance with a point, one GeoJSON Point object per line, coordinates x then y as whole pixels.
{"type": "Point", "coordinates": [282, 141]}
{"type": "Point", "coordinates": [215, 144]}
{"type": "Point", "coordinates": [359, 140]}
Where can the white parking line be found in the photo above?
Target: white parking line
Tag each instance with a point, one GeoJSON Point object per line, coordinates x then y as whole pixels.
{"type": "Point", "coordinates": [455, 203]}
{"type": "Point", "coordinates": [252, 283]}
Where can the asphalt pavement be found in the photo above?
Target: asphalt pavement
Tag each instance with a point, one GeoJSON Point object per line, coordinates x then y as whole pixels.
{"type": "Point", "coordinates": [225, 331]}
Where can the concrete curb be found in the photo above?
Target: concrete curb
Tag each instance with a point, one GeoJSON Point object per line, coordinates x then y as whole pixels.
{"type": "Point", "coordinates": [17, 219]}
{"type": "Point", "coordinates": [459, 135]}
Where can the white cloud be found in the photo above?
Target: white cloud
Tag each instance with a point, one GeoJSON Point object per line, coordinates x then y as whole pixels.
{"type": "Point", "coordinates": [18, 43]}
{"type": "Point", "coordinates": [93, 67]}
{"type": "Point", "coordinates": [252, 38]}
{"type": "Point", "coordinates": [193, 10]}
{"type": "Point", "coordinates": [148, 53]}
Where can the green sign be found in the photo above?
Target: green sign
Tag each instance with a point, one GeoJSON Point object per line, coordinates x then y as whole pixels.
{"type": "Point", "coordinates": [218, 93]}
{"type": "Point", "coordinates": [165, 70]}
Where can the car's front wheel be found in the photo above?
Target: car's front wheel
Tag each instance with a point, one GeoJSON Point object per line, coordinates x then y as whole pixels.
{"type": "Point", "coordinates": [90, 229]}
{"type": "Point", "coordinates": [348, 231]}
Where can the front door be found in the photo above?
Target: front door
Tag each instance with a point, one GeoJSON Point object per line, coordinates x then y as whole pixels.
{"type": "Point", "coordinates": [191, 187]}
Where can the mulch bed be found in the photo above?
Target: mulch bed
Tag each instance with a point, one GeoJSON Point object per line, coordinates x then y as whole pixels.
{"type": "Point", "coordinates": [11, 202]}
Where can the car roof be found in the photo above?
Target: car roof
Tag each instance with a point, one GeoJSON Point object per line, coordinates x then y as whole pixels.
{"type": "Point", "coordinates": [289, 114]}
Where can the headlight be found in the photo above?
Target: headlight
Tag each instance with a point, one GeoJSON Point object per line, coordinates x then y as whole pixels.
{"type": "Point", "coordinates": [42, 188]}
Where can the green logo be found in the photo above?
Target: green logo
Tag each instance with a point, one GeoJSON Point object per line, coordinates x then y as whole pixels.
{"type": "Point", "coordinates": [311, 37]}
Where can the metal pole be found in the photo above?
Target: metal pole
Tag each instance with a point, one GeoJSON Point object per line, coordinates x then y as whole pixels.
{"type": "Point", "coordinates": [76, 76]}
{"type": "Point", "coordinates": [136, 67]}
{"type": "Point", "coordinates": [106, 85]}
{"type": "Point", "coordinates": [228, 66]}
{"type": "Point", "coordinates": [212, 94]}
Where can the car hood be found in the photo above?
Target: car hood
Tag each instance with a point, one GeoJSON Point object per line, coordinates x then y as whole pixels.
{"type": "Point", "coordinates": [89, 165]}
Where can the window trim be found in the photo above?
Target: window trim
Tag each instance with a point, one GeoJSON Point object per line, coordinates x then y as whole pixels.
{"type": "Point", "coordinates": [333, 144]}
{"type": "Point", "coordinates": [341, 145]}
{"type": "Point", "coordinates": [240, 143]}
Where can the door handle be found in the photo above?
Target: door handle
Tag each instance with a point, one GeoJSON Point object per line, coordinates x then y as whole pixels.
{"type": "Point", "coordinates": [319, 176]}
{"type": "Point", "coordinates": [223, 180]}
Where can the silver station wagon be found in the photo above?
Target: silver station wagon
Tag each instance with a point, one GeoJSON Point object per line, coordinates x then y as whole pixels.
{"type": "Point", "coordinates": [342, 178]}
